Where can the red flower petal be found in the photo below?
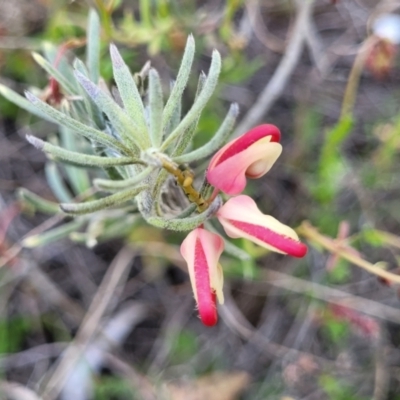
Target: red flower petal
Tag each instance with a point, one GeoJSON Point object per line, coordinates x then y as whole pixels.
{"type": "Point", "coordinates": [205, 295]}
{"type": "Point", "coordinates": [283, 243]}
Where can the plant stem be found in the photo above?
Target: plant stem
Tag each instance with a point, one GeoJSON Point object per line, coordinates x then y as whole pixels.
{"type": "Point", "coordinates": [343, 251]}
{"type": "Point", "coordinates": [350, 93]}
{"type": "Point", "coordinates": [184, 178]}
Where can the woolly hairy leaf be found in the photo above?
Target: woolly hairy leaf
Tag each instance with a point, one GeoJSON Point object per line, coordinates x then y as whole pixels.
{"type": "Point", "coordinates": [118, 118]}
{"type": "Point", "coordinates": [57, 75]}
{"type": "Point", "coordinates": [91, 206]}
{"type": "Point", "coordinates": [111, 185]}
{"type": "Point", "coordinates": [37, 202]}
{"type": "Point", "coordinates": [80, 159]}
{"type": "Point", "coordinates": [187, 137]}
{"type": "Point", "coordinates": [181, 82]}
{"type": "Point", "coordinates": [128, 90]}
{"type": "Point", "coordinates": [155, 107]}
{"type": "Point", "coordinates": [20, 101]}
{"type": "Point", "coordinates": [78, 127]}
{"type": "Point", "coordinates": [200, 103]}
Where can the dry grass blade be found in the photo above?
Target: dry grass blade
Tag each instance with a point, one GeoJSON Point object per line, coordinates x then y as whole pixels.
{"type": "Point", "coordinates": [282, 73]}
{"type": "Point", "coordinates": [336, 296]}
{"type": "Point", "coordinates": [15, 391]}
{"type": "Point", "coordinates": [236, 321]}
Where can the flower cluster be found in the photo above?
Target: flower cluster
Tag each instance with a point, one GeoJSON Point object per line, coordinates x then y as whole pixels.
{"type": "Point", "coordinates": [141, 146]}
{"type": "Point", "coordinates": [249, 156]}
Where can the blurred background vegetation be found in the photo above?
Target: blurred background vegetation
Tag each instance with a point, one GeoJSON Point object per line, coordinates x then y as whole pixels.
{"type": "Point", "coordinates": [323, 327]}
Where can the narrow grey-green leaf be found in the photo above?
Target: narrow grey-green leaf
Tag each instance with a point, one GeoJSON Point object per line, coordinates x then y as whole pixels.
{"type": "Point", "coordinates": [155, 107]}
{"type": "Point", "coordinates": [93, 46]}
{"type": "Point", "coordinates": [94, 111]}
{"type": "Point", "coordinates": [20, 101]}
{"type": "Point", "coordinates": [189, 133]}
{"type": "Point", "coordinates": [128, 90]}
{"type": "Point", "coordinates": [56, 182]}
{"type": "Point", "coordinates": [78, 127]}
{"type": "Point", "coordinates": [80, 159]}
{"type": "Point", "coordinates": [55, 56]}
{"type": "Point", "coordinates": [57, 75]}
{"type": "Point", "coordinates": [91, 206]}
{"type": "Point", "coordinates": [181, 81]}
{"type": "Point", "coordinates": [118, 118]}
{"type": "Point", "coordinates": [37, 202]}
{"type": "Point", "coordinates": [110, 185]}
{"type": "Point", "coordinates": [54, 234]}
{"type": "Point", "coordinates": [175, 118]}
{"type": "Point", "coordinates": [217, 140]}
{"type": "Point", "coordinates": [200, 103]}
{"type": "Point", "coordinates": [78, 178]}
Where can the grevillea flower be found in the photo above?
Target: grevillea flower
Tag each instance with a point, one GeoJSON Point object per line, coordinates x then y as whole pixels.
{"type": "Point", "coordinates": [201, 250]}
{"type": "Point", "coordinates": [251, 155]}
{"type": "Point", "coordinates": [241, 217]}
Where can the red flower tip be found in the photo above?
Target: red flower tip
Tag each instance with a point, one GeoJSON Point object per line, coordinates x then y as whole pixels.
{"type": "Point", "coordinates": [201, 250]}
{"type": "Point", "coordinates": [208, 311]}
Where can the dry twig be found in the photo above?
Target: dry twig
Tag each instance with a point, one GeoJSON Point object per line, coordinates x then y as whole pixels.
{"type": "Point", "coordinates": [101, 301]}
{"type": "Point", "coordinates": [282, 73]}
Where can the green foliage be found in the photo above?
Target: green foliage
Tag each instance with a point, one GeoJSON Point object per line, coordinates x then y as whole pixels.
{"type": "Point", "coordinates": [336, 330]}
{"type": "Point", "coordinates": [184, 346]}
{"type": "Point", "coordinates": [336, 390]}
{"type": "Point", "coordinates": [13, 332]}
{"type": "Point", "coordinates": [332, 166]}
{"type": "Point", "coordinates": [108, 387]}
{"type": "Point", "coordinates": [340, 273]}
{"type": "Point", "coordinates": [237, 68]}
{"type": "Point", "coordinates": [373, 237]}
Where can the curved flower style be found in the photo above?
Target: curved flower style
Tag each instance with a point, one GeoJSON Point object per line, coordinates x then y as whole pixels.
{"type": "Point", "coordinates": [240, 217]}
{"type": "Point", "coordinates": [201, 250]}
{"type": "Point", "coordinates": [251, 155]}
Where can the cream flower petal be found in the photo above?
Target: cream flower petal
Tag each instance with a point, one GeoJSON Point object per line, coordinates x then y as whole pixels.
{"type": "Point", "coordinates": [240, 217]}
